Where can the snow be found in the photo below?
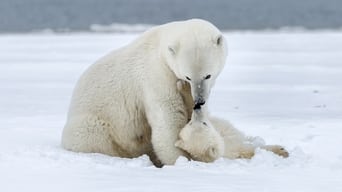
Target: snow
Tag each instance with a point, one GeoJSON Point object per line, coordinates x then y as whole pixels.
{"type": "Point", "coordinates": [283, 87]}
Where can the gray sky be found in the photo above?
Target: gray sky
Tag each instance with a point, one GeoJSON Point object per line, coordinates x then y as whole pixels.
{"type": "Point", "coordinates": [28, 15]}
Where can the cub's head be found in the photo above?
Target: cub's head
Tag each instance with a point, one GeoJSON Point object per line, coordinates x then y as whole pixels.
{"type": "Point", "coordinates": [195, 50]}
{"type": "Point", "coordinates": [201, 141]}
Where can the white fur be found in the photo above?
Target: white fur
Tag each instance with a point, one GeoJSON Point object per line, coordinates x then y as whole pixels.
{"type": "Point", "coordinates": [127, 103]}
{"type": "Point", "coordinates": [201, 141]}
{"type": "Point", "coordinates": [197, 141]}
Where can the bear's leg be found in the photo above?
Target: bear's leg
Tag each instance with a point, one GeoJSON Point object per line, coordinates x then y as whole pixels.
{"type": "Point", "coordinates": [248, 151]}
{"type": "Point", "coordinates": [238, 145]}
{"type": "Point", "coordinates": [89, 134]}
{"type": "Point", "coordinates": [245, 151]}
{"type": "Point", "coordinates": [166, 120]}
{"type": "Point", "coordinates": [163, 140]}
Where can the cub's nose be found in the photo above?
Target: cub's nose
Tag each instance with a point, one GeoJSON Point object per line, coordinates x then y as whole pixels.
{"type": "Point", "coordinates": [198, 103]}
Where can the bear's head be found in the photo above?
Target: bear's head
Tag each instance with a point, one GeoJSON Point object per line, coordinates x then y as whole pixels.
{"type": "Point", "coordinates": [201, 141]}
{"type": "Point", "coordinates": [195, 50]}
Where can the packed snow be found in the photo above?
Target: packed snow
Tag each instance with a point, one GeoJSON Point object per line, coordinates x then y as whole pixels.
{"type": "Point", "coordinates": [283, 87]}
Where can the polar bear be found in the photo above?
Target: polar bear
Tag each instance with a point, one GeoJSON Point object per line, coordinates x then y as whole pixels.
{"type": "Point", "coordinates": [127, 103]}
{"type": "Point", "coordinates": [208, 138]}
{"type": "Point", "coordinates": [204, 144]}
{"type": "Point", "coordinates": [200, 139]}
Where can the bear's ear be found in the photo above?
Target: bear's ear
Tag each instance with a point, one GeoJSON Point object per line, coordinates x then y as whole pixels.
{"type": "Point", "coordinates": [173, 49]}
{"type": "Point", "coordinates": [213, 152]}
{"type": "Point", "coordinates": [218, 40]}
{"type": "Point", "coordinates": [180, 144]}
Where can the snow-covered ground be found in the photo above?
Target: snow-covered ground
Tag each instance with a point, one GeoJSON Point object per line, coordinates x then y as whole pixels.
{"type": "Point", "coordinates": [284, 87]}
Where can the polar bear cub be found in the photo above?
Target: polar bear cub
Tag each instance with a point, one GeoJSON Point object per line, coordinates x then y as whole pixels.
{"type": "Point", "coordinates": [204, 144]}
{"type": "Point", "coordinates": [200, 139]}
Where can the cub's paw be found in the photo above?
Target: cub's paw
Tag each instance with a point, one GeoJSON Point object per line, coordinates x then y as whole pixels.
{"type": "Point", "coordinates": [277, 149]}
{"type": "Point", "coordinates": [180, 84]}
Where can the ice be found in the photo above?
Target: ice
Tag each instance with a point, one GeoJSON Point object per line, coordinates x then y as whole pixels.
{"type": "Point", "coordinates": [282, 87]}
{"type": "Point", "coordinates": [120, 28]}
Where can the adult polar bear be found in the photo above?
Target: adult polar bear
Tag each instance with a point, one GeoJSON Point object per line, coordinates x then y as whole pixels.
{"type": "Point", "coordinates": [127, 103]}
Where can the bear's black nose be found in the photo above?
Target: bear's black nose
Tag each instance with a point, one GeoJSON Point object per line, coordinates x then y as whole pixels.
{"type": "Point", "coordinates": [198, 103]}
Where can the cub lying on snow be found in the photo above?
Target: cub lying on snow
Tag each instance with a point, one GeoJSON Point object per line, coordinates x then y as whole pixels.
{"type": "Point", "coordinates": [207, 139]}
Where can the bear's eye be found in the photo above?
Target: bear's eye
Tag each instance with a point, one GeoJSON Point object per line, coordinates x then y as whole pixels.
{"type": "Point", "coordinates": [188, 78]}
{"type": "Point", "coordinates": [207, 77]}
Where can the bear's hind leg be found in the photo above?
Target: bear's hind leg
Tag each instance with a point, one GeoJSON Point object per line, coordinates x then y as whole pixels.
{"type": "Point", "coordinates": [89, 134]}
